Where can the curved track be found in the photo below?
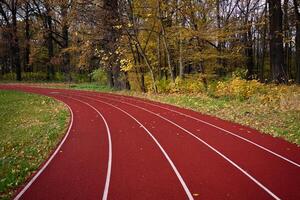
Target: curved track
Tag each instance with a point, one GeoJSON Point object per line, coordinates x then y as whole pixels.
{"type": "Point", "coordinates": [120, 147]}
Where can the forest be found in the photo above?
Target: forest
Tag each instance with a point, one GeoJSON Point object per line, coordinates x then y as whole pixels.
{"type": "Point", "coordinates": [146, 45]}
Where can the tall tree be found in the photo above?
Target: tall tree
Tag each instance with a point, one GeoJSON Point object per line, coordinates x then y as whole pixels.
{"type": "Point", "coordinates": [297, 13]}
{"type": "Point", "coordinates": [279, 72]}
{"type": "Point", "coordinates": [110, 35]}
{"type": "Point", "coordinates": [8, 10]}
{"type": "Point", "coordinates": [27, 13]}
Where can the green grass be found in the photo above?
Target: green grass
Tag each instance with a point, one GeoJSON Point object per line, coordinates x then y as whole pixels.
{"type": "Point", "coordinates": [91, 87]}
{"type": "Point", "coordinates": [77, 86]}
{"type": "Point", "coordinates": [30, 128]}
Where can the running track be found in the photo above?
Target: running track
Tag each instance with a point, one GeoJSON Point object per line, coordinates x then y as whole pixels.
{"type": "Point", "coordinates": [120, 147]}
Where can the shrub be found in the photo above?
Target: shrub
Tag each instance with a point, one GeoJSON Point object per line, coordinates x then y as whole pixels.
{"type": "Point", "coordinates": [34, 76]}
{"type": "Point", "coordinates": [99, 75]}
{"type": "Point", "coordinates": [239, 88]}
{"type": "Point", "coordinates": [61, 77]}
{"type": "Point", "coordinates": [81, 77]}
{"type": "Point", "coordinates": [240, 73]}
{"type": "Point", "coordinates": [163, 86]}
{"type": "Point", "coordinates": [9, 77]}
{"type": "Point", "coordinates": [188, 85]}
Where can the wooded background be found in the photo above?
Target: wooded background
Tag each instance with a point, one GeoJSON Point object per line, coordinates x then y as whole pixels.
{"type": "Point", "coordinates": [129, 43]}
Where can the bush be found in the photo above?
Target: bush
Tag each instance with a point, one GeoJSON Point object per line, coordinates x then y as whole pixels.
{"type": "Point", "coordinates": [61, 77]}
{"type": "Point", "coordinates": [81, 77]}
{"type": "Point", "coordinates": [192, 85]}
{"type": "Point", "coordinates": [163, 86]}
{"type": "Point", "coordinates": [188, 85]}
{"type": "Point", "coordinates": [34, 76]}
{"type": "Point", "coordinates": [99, 75]}
{"type": "Point", "coordinates": [240, 73]}
{"type": "Point", "coordinates": [239, 88]}
{"type": "Point", "coordinates": [9, 77]}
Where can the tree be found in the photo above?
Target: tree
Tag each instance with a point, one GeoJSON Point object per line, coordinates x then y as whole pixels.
{"type": "Point", "coordinates": [279, 72]}
{"type": "Point", "coordinates": [297, 14]}
{"type": "Point", "coordinates": [8, 11]}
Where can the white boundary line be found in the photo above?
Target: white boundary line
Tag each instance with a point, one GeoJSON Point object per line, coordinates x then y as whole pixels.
{"type": "Point", "coordinates": [212, 148]}
{"type": "Point", "coordinates": [187, 191]}
{"type": "Point", "coordinates": [50, 159]}
{"type": "Point", "coordinates": [108, 175]}
{"type": "Point", "coordinates": [217, 127]}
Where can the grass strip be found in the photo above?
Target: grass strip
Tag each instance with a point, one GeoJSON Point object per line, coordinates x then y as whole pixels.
{"type": "Point", "coordinates": [30, 128]}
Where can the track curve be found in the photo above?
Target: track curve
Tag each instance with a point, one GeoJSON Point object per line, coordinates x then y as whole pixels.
{"type": "Point", "coordinates": [187, 155]}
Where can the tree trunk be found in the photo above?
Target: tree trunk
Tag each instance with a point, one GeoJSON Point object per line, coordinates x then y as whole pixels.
{"type": "Point", "coordinates": [158, 52]}
{"type": "Point", "coordinates": [116, 76]}
{"type": "Point", "coordinates": [27, 66]}
{"type": "Point", "coordinates": [264, 47]}
{"type": "Point", "coordinates": [110, 80]}
{"type": "Point", "coordinates": [168, 55]}
{"type": "Point", "coordinates": [263, 55]}
{"type": "Point", "coordinates": [276, 43]}
{"type": "Point", "coordinates": [140, 71]}
{"type": "Point", "coordinates": [181, 66]}
{"type": "Point", "coordinates": [50, 67]}
{"type": "Point", "coordinates": [127, 84]}
{"type": "Point", "coordinates": [15, 43]}
{"type": "Point", "coordinates": [219, 43]}
{"type": "Point", "coordinates": [249, 53]}
{"type": "Point", "coordinates": [296, 7]}
{"type": "Point", "coordinates": [286, 36]}
{"type": "Point", "coordinates": [65, 35]}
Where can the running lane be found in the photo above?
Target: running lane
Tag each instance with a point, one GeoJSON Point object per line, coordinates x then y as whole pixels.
{"type": "Point", "coordinates": [139, 169]}
{"type": "Point", "coordinates": [281, 175]}
{"type": "Point", "coordinates": [78, 170]}
{"type": "Point", "coordinates": [211, 162]}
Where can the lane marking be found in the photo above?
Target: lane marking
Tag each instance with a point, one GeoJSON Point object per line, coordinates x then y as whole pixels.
{"type": "Point", "coordinates": [108, 174]}
{"type": "Point", "coordinates": [51, 158]}
{"type": "Point", "coordinates": [187, 191]}
{"type": "Point", "coordinates": [222, 129]}
{"type": "Point", "coordinates": [212, 148]}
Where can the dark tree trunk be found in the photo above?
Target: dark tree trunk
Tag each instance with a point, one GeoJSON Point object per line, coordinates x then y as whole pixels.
{"type": "Point", "coordinates": [158, 54]}
{"type": "Point", "coordinates": [296, 7]}
{"type": "Point", "coordinates": [141, 71]}
{"type": "Point", "coordinates": [249, 53]}
{"type": "Point", "coordinates": [111, 35]}
{"type": "Point", "coordinates": [263, 55]}
{"type": "Point", "coordinates": [264, 47]}
{"type": "Point", "coordinates": [116, 76]}
{"type": "Point", "coordinates": [286, 35]}
{"type": "Point", "coordinates": [15, 43]}
{"type": "Point", "coordinates": [127, 84]}
{"type": "Point", "coordinates": [50, 67]}
{"type": "Point", "coordinates": [65, 36]}
{"type": "Point", "coordinates": [219, 43]}
{"type": "Point", "coordinates": [276, 42]}
{"type": "Point", "coordinates": [66, 59]}
{"type": "Point", "coordinates": [27, 66]}
{"type": "Point", "coordinates": [110, 80]}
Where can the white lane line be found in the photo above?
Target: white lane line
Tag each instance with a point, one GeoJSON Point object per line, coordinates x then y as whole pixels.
{"type": "Point", "coordinates": [108, 174]}
{"type": "Point", "coordinates": [222, 129]}
{"type": "Point", "coordinates": [212, 148]}
{"type": "Point", "coordinates": [186, 189]}
{"type": "Point", "coordinates": [50, 159]}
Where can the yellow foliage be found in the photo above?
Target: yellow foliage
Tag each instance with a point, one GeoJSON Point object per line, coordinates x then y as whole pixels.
{"type": "Point", "coordinates": [238, 87]}
{"type": "Point", "coordinates": [281, 97]}
{"type": "Point", "coordinates": [188, 85]}
{"type": "Point", "coordinates": [126, 65]}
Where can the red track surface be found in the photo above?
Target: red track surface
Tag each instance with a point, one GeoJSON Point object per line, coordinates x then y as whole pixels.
{"type": "Point", "coordinates": [159, 152]}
